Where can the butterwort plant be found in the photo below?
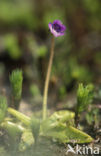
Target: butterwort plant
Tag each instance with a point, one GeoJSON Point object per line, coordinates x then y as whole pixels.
{"type": "Point", "coordinates": [57, 29]}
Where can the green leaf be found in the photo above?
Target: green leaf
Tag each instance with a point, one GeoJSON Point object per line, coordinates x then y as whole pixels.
{"type": "Point", "coordinates": [20, 116]}
{"type": "Point", "coordinates": [26, 140]}
{"type": "Point", "coordinates": [3, 107]}
{"type": "Point", "coordinates": [12, 129]}
{"type": "Point", "coordinates": [77, 135]}
{"type": "Point", "coordinates": [62, 116]}
{"type": "Point", "coordinates": [66, 134]}
{"type": "Point", "coordinates": [58, 127]}
{"type": "Point", "coordinates": [35, 128]}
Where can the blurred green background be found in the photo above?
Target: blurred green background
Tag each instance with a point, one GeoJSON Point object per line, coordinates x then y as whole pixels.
{"type": "Point", "coordinates": [25, 44]}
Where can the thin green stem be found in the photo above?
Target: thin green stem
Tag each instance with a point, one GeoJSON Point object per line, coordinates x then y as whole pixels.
{"type": "Point", "coordinates": [46, 86]}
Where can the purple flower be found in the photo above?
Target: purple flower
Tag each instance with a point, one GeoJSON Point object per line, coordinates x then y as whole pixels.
{"type": "Point", "coordinates": [57, 28]}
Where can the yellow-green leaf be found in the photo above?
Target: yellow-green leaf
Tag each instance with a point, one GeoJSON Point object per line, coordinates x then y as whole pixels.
{"type": "Point", "coordinates": [20, 116]}
{"type": "Point", "coordinates": [26, 140]}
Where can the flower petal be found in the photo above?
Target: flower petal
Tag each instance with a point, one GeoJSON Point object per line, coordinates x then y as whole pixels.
{"type": "Point", "coordinates": [57, 34]}
{"type": "Point", "coordinates": [57, 22]}
{"type": "Point", "coordinates": [57, 28]}
{"type": "Point", "coordinates": [63, 28]}
{"type": "Point", "coordinates": [50, 26]}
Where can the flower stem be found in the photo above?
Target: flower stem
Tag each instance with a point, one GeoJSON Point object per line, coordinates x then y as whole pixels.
{"type": "Point", "coordinates": [46, 86]}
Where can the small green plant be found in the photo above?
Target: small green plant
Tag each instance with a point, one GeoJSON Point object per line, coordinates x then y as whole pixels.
{"type": "Point", "coordinates": [16, 79]}
{"type": "Point", "coordinates": [3, 107]}
{"type": "Point", "coordinates": [84, 98]}
{"type": "Point", "coordinates": [93, 117]}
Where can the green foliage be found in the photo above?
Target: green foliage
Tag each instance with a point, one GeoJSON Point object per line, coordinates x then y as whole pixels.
{"type": "Point", "coordinates": [41, 51]}
{"type": "Point", "coordinates": [80, 73]}
{"type": "Point", "coordinates": [11, 44]}
{"type": "Point", "coordinates": [62, 91]}
{"type": "Point", "coordinates": [16, 79]}
{"type": "Point", "coordinates": [69, 134]}
{"type": "Point", "coordinates": [3, 107]}
{"type": "Point", "coordinates": [58, 127]}
{"type": "Point", "coordinates": [71, 70]}
{"type": "Point", "coordinates": [20, 116]}
{"type": "Point", "coordinates": [92, 117]}
{"type": "Point", "coordinates": [14, 130]}
{"type": "Point", "coordinates": [26, 140]}
{"type": "Point", "coordinates": [63, 116]}
{"type": "Point", "coordinates": [34, 90]}
{"type": "Point", "coordinates": [35, 127]}
{"type": "Point", "coordinates": [84, 97]}
{"type": "Point", "coordinates": [21, 13]}
{"type": "Point", "coordinates": [60, 116]}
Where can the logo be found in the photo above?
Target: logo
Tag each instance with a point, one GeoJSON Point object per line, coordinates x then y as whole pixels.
{"type": "Point", "coordinates": [82, 149]}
